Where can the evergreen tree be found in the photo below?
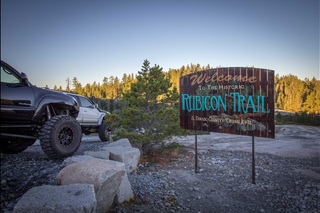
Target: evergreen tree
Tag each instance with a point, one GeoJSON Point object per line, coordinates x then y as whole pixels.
{"type": "Point", "coordinates": [127, 80]}
{"type": "Point", "coordinates": [68, 84]}
{"type": "Point", "coordinates": [151, 107]}
{"type": "Point", "coordinates": [290, 93]}
{"type": "Point", "coordinates": [87, 91]}
{"type": "Point", "coordinates": [77, 87]}
{"type": "Point", "coordinates": [312, 102]}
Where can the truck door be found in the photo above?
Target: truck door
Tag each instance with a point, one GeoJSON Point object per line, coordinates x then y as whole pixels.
{"type": "Point", "coordinates": [17, 98]}
{"type": "Point", "coordinates": [90, 114]}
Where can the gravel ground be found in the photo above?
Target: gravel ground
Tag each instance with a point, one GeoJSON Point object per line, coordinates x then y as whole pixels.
{"type": "Point", "coordinates": [223, 183]}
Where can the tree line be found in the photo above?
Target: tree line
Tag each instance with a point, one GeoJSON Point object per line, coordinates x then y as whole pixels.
{"type": "Point", "coordinates": [291, 93]}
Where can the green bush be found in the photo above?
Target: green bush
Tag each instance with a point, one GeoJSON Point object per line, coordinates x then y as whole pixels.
{"type": "Point", "coordinates": [298, 118]}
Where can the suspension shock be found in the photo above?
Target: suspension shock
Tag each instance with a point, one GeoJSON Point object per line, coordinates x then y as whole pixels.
{"type": "Point", "coordinates": [48, 112]}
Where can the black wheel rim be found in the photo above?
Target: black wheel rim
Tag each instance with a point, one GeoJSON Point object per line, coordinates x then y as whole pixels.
{"type": "Point", "coordinates": [106, 133]}
{"type": "Point", "coordinates": [66, 136]}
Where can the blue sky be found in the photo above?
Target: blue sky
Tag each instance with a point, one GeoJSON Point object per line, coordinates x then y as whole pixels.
{"type": "Point", "coordinates": [52, 40]}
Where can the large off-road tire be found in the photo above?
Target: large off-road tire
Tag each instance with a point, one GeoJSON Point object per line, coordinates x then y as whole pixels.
{"type": "Point", "coordinates": [104, 132]}
{"type": "Point", "coordinates": [16, 145]}
{"type": "Point", "coordinates": [61, 136]}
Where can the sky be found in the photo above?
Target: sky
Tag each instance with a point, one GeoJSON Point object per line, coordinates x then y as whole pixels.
{"type": "Point", "coordinates": [52, 40]}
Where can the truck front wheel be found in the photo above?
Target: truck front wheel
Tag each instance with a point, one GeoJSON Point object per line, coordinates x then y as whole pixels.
{"type": "Point", "coordinates": [104, 133]}
{"type": "Point", "coordinates": [60, 137]}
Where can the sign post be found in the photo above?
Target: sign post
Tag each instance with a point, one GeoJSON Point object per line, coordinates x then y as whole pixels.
{"type": "Point", "coordinates": [232, 100]}
{"type": "Point", "coordinates": [253, 162]}
{"type": "Point", "coordinates": [196, 151]}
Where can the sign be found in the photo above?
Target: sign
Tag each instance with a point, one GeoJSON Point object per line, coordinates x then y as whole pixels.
{"type": "Point", "coordinates": [234, 100]}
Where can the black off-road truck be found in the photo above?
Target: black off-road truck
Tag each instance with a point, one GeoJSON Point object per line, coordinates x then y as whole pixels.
{"type": "Point", "coordinates": [29, 113]}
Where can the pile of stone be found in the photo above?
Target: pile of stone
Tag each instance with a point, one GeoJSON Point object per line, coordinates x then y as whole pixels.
{"type": "Point", "coordinates": [88, 183]}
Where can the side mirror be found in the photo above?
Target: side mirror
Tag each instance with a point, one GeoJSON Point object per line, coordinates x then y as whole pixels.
{"type": "Point", "coordinates": [24, 79]}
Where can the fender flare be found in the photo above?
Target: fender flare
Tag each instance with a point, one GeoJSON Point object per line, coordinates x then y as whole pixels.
{"type": "Point", "coordinates": [101, 118]}
{"type": "Point", "coordinates": [66, 103]}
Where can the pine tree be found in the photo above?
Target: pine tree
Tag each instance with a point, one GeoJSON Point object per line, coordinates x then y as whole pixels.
{"type": "Point", "coordinates": [290, 93]}
{"type": "Point", "coordinates": [77, 87]}
{"type": "Point", "coordinates": [312, 102]}
{"type": "Point", "coordinates": [151, 107]}
{"type": "Point", "coordinates": [68, 84]}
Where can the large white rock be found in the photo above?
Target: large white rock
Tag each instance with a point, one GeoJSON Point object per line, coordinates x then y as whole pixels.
{"type": "Point", "coordinates": [98, 154]}
{"type": "Point", "coordinates": [127, 155]}
{"type": "Point", "coordinates": [124, 192]}
{"type": "Point", "coordinates": [77, 159]}
{"type": "Point", "coordinates": [124, 142]}
{"type": "Point", "coordinates": [55, 199]}
{"type": "Point", "coordinates": [105, 175]}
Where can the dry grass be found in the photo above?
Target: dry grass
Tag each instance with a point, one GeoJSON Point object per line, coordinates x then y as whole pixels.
{"type": "Point", "coordinates": [163, 155]}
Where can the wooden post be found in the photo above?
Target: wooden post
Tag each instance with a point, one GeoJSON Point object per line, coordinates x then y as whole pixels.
{"type": "Point", "coordinates": [253, 162]}
{"type": "Point", "coordinates": [196, 151]}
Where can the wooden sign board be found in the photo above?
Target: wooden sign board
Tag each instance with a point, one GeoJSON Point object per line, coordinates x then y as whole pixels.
{"type": "Point", "coordinates": [233, 100]}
